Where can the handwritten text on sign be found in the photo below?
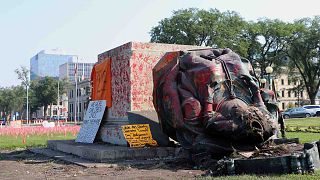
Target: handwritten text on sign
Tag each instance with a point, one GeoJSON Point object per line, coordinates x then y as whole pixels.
{"type": "Point", "coordinates": [91, 121]}
{"type": "Point", "coordinates": [138, 135]}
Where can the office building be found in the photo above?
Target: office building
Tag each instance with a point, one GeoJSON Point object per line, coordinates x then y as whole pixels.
{"type": "Point", "coordinates": [67, 71]}
{"type": "Point", "coordinates": [47, 62]}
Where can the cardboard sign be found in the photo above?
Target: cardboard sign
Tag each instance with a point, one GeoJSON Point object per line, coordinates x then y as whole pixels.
{"type": "Point", "coordinates": [91, 121]}
{"type": "Point", "coordinates": [138, 135]}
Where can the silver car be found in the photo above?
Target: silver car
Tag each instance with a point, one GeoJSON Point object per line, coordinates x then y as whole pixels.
{"type": "Point", "coordinates": [314, 108]}
{"type": "Point", "coordinates": [298, 112]}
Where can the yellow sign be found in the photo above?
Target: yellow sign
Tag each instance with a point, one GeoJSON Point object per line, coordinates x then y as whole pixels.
{"type": "Point", "coordinates": [138, 135]}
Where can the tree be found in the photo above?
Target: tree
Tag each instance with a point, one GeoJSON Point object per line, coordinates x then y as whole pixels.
{"type": "Point", "coordinates": [23, 75]}
{"type": "Point", "coordinates": [202, 28]}
{"type": "Point", "coordinates": [6, 97]}
{"type": "Point", "coordinates": [45, 91]}
{"type": "Point", "coordinates": [18, 102]}
{"type": "Point", "coordinates": [261, 42]}
{"type": "Point", "coordinates": [65, 85]}
{"type": "Point", "coordinates": [11, 100]}
{"type": "Point", "coordinates": [267, 41]}
{"type": "Point", "coordinates": [304, 53]}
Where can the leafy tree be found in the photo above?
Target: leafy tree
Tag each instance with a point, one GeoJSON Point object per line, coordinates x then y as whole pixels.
{"type": "Point", "coordinates": [64, 85]}
{"type": "Point", "coordinates": [261, 42]}
{"type": "Point", "coordinates": [33, 99]}
{"type": "Point", "coordinates": [18, 101]}
{"type": "Point", "coordinates": [11, 100]}
{"type": "Point", "coordinates": [202, 28]}
{"type": "Point", "coordinates": [304, 53]}
{"type": "Point", "coordinates": [6, 96]}
{"type": "Point", "coordinates": [45, 91]}
{"type": "Point", "coordinates": [23, 75]}
{"type": "Point", "coordinates": [267, 41]}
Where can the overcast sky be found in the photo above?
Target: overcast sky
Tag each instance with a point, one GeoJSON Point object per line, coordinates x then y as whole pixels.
{"type": "Point", "coordinates": [89, 27]}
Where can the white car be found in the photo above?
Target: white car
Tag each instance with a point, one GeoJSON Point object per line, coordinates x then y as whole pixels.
{"type": "Point", "coordinates": [314, 108]}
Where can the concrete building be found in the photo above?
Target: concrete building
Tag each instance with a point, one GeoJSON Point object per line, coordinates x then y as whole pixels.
{"type": "Point", "coordinates": [78, 100]}
{"type": "Point", "coordinates": [67, 71]}
{"type": "Point", "coordinates": [47, 62]}
{"type": "Point", "coordinates": [289, 95]}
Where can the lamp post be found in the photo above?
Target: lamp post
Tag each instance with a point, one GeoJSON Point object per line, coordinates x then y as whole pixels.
{"type": "Point", "coordinates": [27, 87]}
{"type": "Point", "coordinates": [263, 82]}
{"type": "Point", "coordinates": [269, 70]}
{"type": "Point", "coordinates": [276, 87]}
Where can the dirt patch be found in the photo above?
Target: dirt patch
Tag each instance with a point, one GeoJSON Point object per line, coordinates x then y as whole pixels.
{"type": "Point", "coordinates": [26, 165]}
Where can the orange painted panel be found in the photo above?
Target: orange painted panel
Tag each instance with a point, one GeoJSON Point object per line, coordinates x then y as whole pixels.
{"type": "Point", "coordinates": [101, 82]}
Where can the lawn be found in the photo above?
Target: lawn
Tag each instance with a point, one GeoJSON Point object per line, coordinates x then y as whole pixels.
{"type": "Point", "coordinates": [34, 136]}
{"type": "Point", "coordinates": [314, 176]}
{"type": "Point", "coordinates": [304, 136]}
{"type": "Point", "coordinates": [13, 142]}
{"type": "Point", "coordinates": [303, 122]}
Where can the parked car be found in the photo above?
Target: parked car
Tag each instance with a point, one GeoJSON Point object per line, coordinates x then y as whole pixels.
{"type": "Point", "coordinates": [298, 112]}
{"type": "Point", "coordinates": [55, 117]}
{"type": "Point", "coordinates": [314, 108]}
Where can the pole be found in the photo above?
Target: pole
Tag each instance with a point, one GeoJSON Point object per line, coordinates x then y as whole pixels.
{"type": "Point", "coordinates": [27, 87]}
{"type": "Point", "coordinates": [27, 104]}
{"type": "Point", "coordinates": [269, 81]}
{"type": "Point", "coordinates": [58, 104]}
{"type": "Point", "coordinates": [75, 102]}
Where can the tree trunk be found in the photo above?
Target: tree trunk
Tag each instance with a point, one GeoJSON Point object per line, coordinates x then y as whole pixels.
{"type": "Point", "coordinates": [313, 100]}
{"type": "Point", "coordinates": [45, 108]}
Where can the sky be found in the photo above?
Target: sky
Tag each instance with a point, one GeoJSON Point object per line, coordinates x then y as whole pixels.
{"type": "Point", "coordinates": [89, 27]}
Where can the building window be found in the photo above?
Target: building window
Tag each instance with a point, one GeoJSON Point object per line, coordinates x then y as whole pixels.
{"type": "Point", "coordinates": [301, 93]}
{"type": "Point", "coordinates": [79, 107]}
{"type": "Point", "coordinates": [282, 81]}
{"type": "Point", "coordinates": [289, 93]}
{"type": "Point", "coordinates": [282, 93]}
{"type": "Point", "coordinates": [70, 108]}
{"type": "Point", "coordinates": [295, 94]}
{"type": "Point", "coordinates": [283, 106]}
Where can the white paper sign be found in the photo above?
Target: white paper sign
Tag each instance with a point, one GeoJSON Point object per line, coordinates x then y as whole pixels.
{"type": "Point", "coordinates": [91, 121]}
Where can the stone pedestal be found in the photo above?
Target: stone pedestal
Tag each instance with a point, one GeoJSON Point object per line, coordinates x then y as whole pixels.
{"type": "Point", "coordinates": [132, 84]}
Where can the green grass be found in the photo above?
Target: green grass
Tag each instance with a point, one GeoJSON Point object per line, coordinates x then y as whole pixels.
{"type": "Point", "coordinates": [303, 122]}
{"type": "Point", "coordinates": [303, 136]}
{"type": "Point", "coordinates": [316, 175]}
{"type": "Point", "coordinates": [12, 142]}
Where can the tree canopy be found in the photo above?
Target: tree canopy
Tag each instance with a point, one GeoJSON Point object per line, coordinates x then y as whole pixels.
{"type": "Point", "coordinates": [201, 28]}
{"type": "Point", "coordinates": [45, 92]}
{"type": "Point", "coordinates": [303, 51]}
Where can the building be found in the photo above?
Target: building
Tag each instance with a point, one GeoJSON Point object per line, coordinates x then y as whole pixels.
{"type": "Point", "coordinates": [78, 100]}
{"type": "Point", "coordinates": [67, 71]}
{"type": "Point", "coordinates": [47, 62]}
{"type": "Point", "coordinates": [289, 93]}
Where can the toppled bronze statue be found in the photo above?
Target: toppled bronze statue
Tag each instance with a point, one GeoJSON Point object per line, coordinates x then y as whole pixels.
{"type": "Point", "coordinates": [210, 101]}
